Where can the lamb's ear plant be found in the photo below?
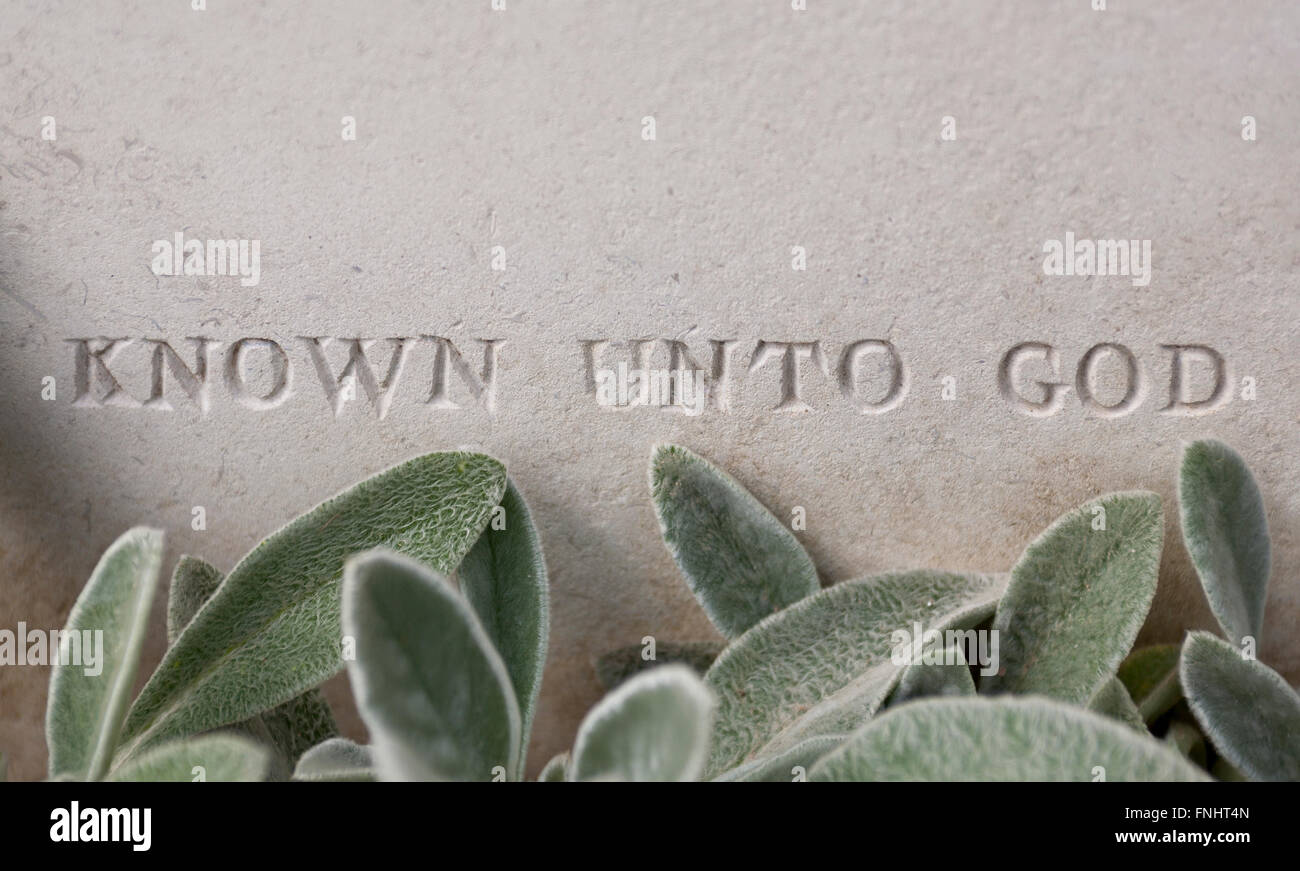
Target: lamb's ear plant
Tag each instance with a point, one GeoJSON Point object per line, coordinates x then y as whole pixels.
{"type": "Point", "coordinates": [1226, 535]}
{"type": "Point", "coordinates": [801, 689]}
{"type": "Point", "coordinates": [288, 730]}
{"type": "Point", "coordinates": [88, 704]}
{"type": "Point", "coordinates": [447, 679]}
{"type": "Point", "coordinates": [1078, 597]}
{"type": "Point", "coordinates": [1004, 738]}
{"type": "Point", "coordinates": [740, 561]}
{"type": "Point", "coordinates": [248, 650]}
{"type": "Point", "coordinates": [654, 727]}
{"type": "Point", "coordinates": [1249, 713]}
{"type": "Point", "coordinates": [271, 630]}
{"type": "Point", "coordinates": [1246, 708]}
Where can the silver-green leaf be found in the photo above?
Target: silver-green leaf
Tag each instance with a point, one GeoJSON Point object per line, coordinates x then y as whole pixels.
{"type": "Point", "coordinates": [88, 700]}
{"type": "Point", "coordinates": [1150, 674]}
{"type": "Point", "coordinates": [504, 578]}
{"type": "Point", "coordinates": [655, 727]}
{"type": "Point", "coordinates": [1112, 700]}
{"type": "Point", "coordinates": [1246, 708]}
{"type": "Point", "coordinates": [1226, 535]}
{"type": "Point", "coordinates": [289, 729]}
{"type": "Point", "coordinates": [207, 758]}
{"type": "Point", "coordinates": [1078, 597]}
{"type": "Point", "coordinates": [556, 770]}
{"type": "Point", "coordinates": [429, 685]}
{"type": "Point", "coordinates": [950, 676]}
{"type": "Point", "coordinates": [271, 630]}
{"type": "Point", "coordinates": [787, 766]}
{"type": "Point", "coordinates": [193, 582]}
{"type": "Point", "coordinates": [741, 563]}
{"type": "Point", "coordinates": [336, 759]}
{"type": "Point", "coordinates": [825, 664]}
{"type": "Point", "coordinates": [1010, 738]}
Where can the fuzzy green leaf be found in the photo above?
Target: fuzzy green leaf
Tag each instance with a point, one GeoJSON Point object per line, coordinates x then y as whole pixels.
{"type": "Point", "coordinates": [1187, 740]}
{"type": "Point", "coordinates": [430, 686]}
{"type": "Point", "coordinates": [784, 767]}
{"type": "Point", "coordinates": [208, 758]}
{"type": "Point", "coordinates": [618, 665]}
{"type": "Point", "coordinates": [271, 630]}
{"type": "Point", "coordinates": [193, 583]}
{"type": "Point", "coordinates": [1246, 708]}
{"type": "Point", "coordinates": [336, 759]}
{"type": "Point", "coordinates": [824, 665]}
{"type": "Point", "coordinates": [1150, 674]}
{"type": "Point", "coordinates": [741, 563]}
{"type": "Point", "coordinates": [655, 727]}
{"type": "Point", "coordinates": [83, 720]}
{"type": "Point", "coordinates": [556, 771]}
{"type": "Point", "coordinates": [1010, 738]}
{"type": "Point", "coordinates": [291, 728]}
{"type": "Point", "coordinates": [1226, 535]}
{"type": "Point", "coordinates": [1078, 597]}
{"type": "Point", "coordinates": [949, 677]}
{"type": "Point", "coordinates": [1112, 700]}
{"type": "Point", "coordinates": [504, 578]}
{"type": "Point", "coordinates": [299, 724]}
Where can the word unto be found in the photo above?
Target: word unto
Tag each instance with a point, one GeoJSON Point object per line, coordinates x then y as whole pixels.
{"type": "Point", "coordinates": [629, 388]}
{"type": "Point", "coordinates": [83, 648]}
{"type": "Point", "coordinates": [96, 825]}
{"type": "Point", "coordinates": [1102, 257]}
{"type": "Point", "coordinates": [951, 647]}
{"type": "Point", "coordinates": [181, 256]}
{"type": "Point", "coordinates": [96, 384]}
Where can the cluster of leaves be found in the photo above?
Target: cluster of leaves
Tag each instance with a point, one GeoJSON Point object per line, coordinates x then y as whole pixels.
{"type": "Point", "coordinates": [428, 584]}
{"type": "Point", "coordinates": [809, 682]}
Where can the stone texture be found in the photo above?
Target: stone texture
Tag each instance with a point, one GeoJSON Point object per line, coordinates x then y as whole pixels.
{"type": "Point", "coordinates": [523, 128]}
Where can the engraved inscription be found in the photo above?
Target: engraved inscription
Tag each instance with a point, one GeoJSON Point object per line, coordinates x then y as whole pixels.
{"type": "Point", "coordinates": [258, 373]}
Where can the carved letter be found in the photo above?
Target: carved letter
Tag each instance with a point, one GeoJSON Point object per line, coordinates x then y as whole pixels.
{"type": "Point", "coordinates": [1083, 381]}
{"type": "Point", "coordinates": [193, 382]}
{"type": "Point", "coordinates": [1178, 402]}
{"type": "Point", "coordinates": [1009, 375]}
{"type": "Point", "coordinates": [234, 374]}
{"type": "Point", "coordinates": [790, 353]}
{"type": "Point", "coordinates": [849, 364]}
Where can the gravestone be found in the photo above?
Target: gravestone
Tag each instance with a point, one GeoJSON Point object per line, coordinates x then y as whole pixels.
{"type": "Point", "coordinates": [926, 277]}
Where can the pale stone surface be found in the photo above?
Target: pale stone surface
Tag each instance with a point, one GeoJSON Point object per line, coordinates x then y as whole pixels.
{"type": "Point", "coordinates": [774, 128]}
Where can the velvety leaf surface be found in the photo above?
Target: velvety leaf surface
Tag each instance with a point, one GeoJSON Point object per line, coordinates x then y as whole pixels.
{"type": "Point", "coordinates": [1077, 598]}
{"type": "Point", "coordinates": [504, 578]}
{"type": "Point", "coordinates": [556, 770]}
{"type": "Point", "coordinates": [1226, 535]}
{"type": "Point", "coordinates": [1246, 708]}
{"type": "Point", "coordinates": [1150, 674]}
{"type": "Point", "coordinates": [272, 630]}
{"type": "Point", "coordinates": [618, 665]}
{"type": "Point", "coordinates": [655, 727]}
{"type": "Point", "coordinates": [83, 719]}
{"type": "Point", "coordinates": [289, 729]}
{"type": "Point", "coordinates": [779, 767]}
{"type": "Point", "coordinates": [1112, 700]}
{"type": "Point", "coordinates": [1187, 740]}
{"type": "Point", "coordinates": [823, 665]}
{"type": "Point", "coordinates": [740, 561]}
{"type": "Point", "coordinates": [193, 583]}
{"type": "Point", "coordinates": [336, 759]}
{"type": "Point", "coordinates": [951, 677]}
{"type": "Point", "coordinates": [299, 724]}
{"type": "Point", "coordinates": [1009, 738]}
{"type": "Point", "coordinates": [429, 685]}
{"type": "Point", "coordinates": [217, 758]}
